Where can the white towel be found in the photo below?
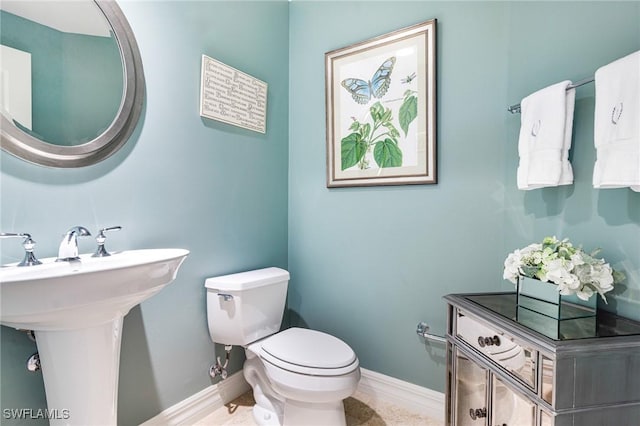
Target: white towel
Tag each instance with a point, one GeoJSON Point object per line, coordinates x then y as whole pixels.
{"type": "Point", "coordinates": [545, 137]}
{"type": "Point", "coordinates": [617, 124]}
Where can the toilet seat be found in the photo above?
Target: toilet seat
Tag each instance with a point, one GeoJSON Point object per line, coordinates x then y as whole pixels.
{"type": "Point", "coordinates": [308, 352]}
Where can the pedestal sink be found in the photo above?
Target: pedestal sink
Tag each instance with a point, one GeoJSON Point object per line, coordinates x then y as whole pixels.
{"type": "Point", "coordinates": [76, 310]}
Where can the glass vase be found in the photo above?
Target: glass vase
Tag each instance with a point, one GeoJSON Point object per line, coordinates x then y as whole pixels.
{"type": "Point", "coordinates": [542, 308]}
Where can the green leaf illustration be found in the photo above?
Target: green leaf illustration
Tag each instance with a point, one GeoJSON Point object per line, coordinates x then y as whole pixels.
{"type": "Point", "coordinates": [365, 130]}
{"type": "Point", "coordinates": [387, 154]}
{"type": "Point", "coordinates": [408, 112]}
{"type": "Point", "coordinates": [377, 110]}
{"type": "Point", "coordinates": [393, 132]}
{"type": "Point", "coordinates": [387, 116]}
{"type": "Point", "coordinates": [353, 149]}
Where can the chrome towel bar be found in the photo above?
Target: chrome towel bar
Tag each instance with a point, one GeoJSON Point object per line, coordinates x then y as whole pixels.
{"type": "Point", "coordinates": [515, 109]}
{"type": "Point", "coordinates": [422, 330]}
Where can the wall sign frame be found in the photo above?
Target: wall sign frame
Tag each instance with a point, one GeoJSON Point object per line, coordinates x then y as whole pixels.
{"type": "Point", "coordinates": [231, 96]}
{"type": "Point", "coordinates": [381, 109]}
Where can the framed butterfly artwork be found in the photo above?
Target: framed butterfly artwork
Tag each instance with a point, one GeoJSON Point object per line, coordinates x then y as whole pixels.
{"type": "Point", "coordinates": [381, 109]}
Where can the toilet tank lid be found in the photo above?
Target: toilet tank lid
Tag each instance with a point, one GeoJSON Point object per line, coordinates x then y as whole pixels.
{"type": "Point", "coordinates": [247, 280]}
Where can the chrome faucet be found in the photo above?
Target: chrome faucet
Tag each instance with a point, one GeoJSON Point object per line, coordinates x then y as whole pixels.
{"type": "Point", "coordinates": [28, 244]}
{"type": "Point", "coordinates": [69, 246]}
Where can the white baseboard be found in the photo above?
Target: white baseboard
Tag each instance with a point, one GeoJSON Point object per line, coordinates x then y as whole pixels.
{"type": "Point", "coordinates": [203, 403]}
{"type": "Point", "coordinates": [414, 398]}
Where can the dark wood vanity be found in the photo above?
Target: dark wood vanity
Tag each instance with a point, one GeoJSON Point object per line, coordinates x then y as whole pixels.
{"type": "Point", "coordinates": [502, 373]}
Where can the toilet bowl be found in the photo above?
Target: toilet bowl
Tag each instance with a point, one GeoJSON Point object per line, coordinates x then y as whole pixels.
{"type": "Point", "coordinates": [298, 376]}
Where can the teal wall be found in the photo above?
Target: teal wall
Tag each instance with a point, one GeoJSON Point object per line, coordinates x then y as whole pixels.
{"type": "Point", "coordinates": [368, 264]}
{"type": "Point", "coordinates": [593, 35]}
{"type": "Point", "coordinates": [181, 181]}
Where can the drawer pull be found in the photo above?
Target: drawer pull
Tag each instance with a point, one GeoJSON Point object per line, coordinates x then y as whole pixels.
{"type": "Point", "coordinates": [478, 413]}
{"type": "Point", "coordinates": [488, 341]}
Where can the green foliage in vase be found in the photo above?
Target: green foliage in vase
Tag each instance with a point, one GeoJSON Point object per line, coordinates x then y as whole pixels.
{"type": "Point", "coordinates": [560, 262]}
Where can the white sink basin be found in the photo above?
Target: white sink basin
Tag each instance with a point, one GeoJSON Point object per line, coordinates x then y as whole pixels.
{"type": "Point", "coordinates": [76, 310]}
{"type": "Point", "coordinates": [59, 295]}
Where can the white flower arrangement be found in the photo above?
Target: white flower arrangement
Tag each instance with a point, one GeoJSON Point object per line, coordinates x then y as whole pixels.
{"type": "Point", "coordinates": [573, 270]}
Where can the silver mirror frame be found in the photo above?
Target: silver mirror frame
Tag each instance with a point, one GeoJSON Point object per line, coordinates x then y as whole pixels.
{"type": "Point", "coordinates": [31, 149]}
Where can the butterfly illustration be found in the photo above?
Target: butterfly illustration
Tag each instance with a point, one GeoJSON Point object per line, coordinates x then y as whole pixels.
{"type": "Point", "coordinates": [409, 78]}
{"type": "Point", "coordinates": [362, 90]}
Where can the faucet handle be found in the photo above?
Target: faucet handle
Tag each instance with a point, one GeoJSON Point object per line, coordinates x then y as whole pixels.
{"type": "Point", "coordinates": [28, 244]}
{"type": "Point", "coordinates": [101, 238]}
{"type": "Point", "coordinates": [14, 235]}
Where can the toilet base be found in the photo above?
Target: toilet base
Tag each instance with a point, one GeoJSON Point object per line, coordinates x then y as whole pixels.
{"type": "Point", "coordinates": [273, 409]}
{"type": "Point", "coordinates": [264, 417]}
{"type": "Point", "coordinates": [268, 410]}
{"type": "Point", "coordinates": [298, 413]}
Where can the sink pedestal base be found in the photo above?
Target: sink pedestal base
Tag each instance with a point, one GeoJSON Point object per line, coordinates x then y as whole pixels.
{"type": "Point", "coordinates": [80, 372]}
{"type": "Point", "coordinates": [76, 310]}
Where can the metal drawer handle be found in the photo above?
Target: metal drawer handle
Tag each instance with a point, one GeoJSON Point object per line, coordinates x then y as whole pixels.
{"type": "Point", "coordinates": [478, 413]}
{"type": "Point", "coordinates": [488, 341]}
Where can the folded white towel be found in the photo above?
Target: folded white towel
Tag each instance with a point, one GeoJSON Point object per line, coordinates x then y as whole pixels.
{"type": "Point", "coordinates": [545, 137]}
{"type": "Point", "coordinates": [617, 124]}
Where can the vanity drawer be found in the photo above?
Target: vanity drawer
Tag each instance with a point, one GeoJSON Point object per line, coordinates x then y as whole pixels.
{"type": "Point", "coordinates": [509, 407]}
{"type": "Point", "coordinates": [516, 358]}
{"type": "Point", "coordinates": [471, 392]}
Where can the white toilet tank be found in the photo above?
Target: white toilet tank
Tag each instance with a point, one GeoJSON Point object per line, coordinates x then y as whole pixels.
{"type": "Point", "coordinates": [245, 307]}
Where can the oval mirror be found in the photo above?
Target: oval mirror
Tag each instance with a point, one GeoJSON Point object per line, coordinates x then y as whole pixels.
{"type": "Point", "coordinates": [72, 83]}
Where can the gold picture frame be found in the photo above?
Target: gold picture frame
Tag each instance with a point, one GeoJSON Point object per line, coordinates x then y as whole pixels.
{"type": "Point", "coordinates": [381, 110]}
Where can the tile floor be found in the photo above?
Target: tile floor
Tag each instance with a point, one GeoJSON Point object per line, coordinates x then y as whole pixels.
{"type": "Point", "coordinates": [361, 410]}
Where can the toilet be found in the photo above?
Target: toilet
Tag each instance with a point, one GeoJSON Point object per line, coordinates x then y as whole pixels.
{"type": "Point", "coordinates": [298, 376]}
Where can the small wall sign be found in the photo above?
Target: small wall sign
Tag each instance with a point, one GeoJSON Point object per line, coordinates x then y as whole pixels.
{"type": "Point", "coordinates": [233, 97]}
